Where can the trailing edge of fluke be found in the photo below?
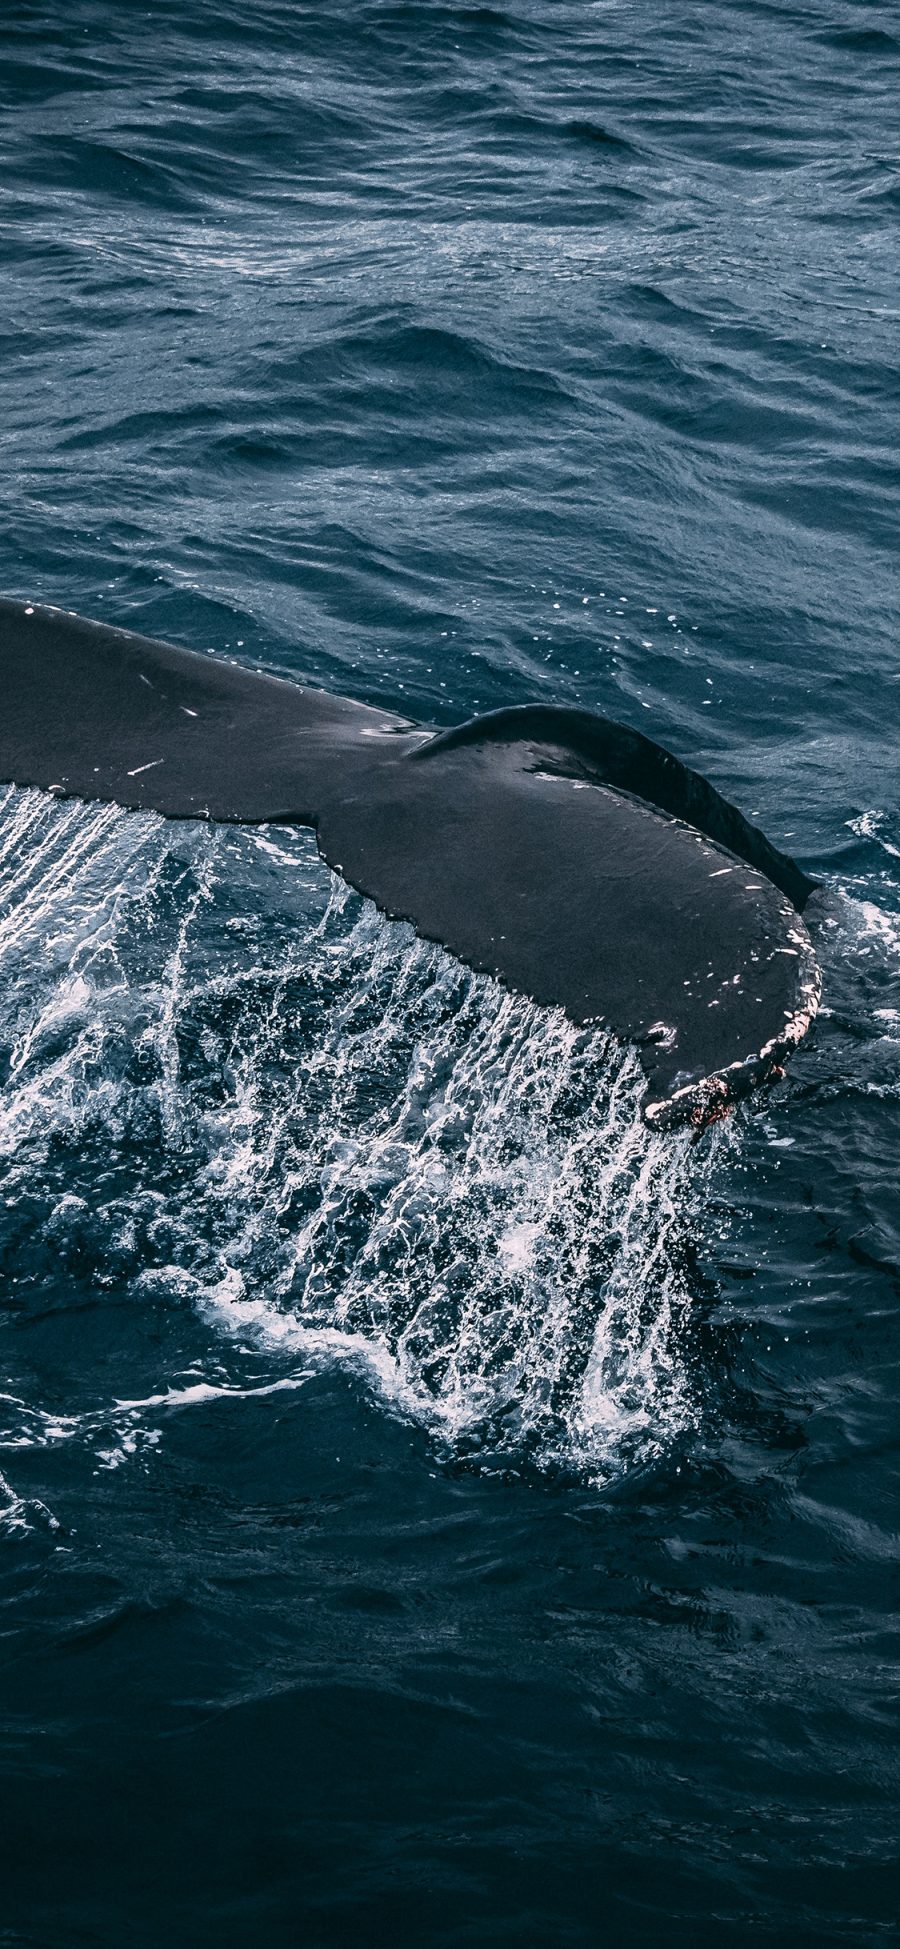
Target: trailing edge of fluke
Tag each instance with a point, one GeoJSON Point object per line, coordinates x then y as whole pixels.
{"type": "Point", "coordinates": [569, 856]}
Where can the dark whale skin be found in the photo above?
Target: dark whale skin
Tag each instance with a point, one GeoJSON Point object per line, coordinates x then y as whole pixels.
{"type": "Point", "coordinates": [569, 856]}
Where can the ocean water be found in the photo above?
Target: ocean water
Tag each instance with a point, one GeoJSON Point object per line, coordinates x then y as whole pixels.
{"type": "Point", "coordinates": [434, 1510]}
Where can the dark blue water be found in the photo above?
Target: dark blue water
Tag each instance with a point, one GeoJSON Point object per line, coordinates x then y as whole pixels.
{"type": "Point", "coordinates": [435, 1511]}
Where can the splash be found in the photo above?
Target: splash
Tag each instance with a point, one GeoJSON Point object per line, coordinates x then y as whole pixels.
{"type": "Point", "coordinates": [334, 1142]}
{"type": "Point", "coordinates": [858, 937]}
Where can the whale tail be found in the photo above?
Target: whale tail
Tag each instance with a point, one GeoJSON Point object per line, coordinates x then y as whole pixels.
{"type": "Point", "coordinates": [569, 856]}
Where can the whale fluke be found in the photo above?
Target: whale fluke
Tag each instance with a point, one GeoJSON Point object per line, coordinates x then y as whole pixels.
{"type": "Point", "coordinates": [570, 856]}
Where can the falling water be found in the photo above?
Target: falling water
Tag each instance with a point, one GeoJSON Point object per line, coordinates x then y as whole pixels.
{"type": "Point", "coordinates": [229, 1079]}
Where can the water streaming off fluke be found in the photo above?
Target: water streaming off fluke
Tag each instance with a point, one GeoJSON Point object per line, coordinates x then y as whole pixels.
{"type": "Point", "coordinates": [227, 1079]}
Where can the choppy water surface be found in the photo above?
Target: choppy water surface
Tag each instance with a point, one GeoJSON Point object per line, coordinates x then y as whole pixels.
{"type": "Point", "coordinates": [432, 1508]}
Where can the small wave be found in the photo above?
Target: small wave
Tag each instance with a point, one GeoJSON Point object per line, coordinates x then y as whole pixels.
{"type": "Point", "coordinates": [857, 925]}
{"type": "Point", "coordinates": [118, 1430]}
{"type": "Point", "coordinates": [874, 825]}
{"type": "Point", "coordinates": [23, 1515]}
{"type": "Point", "coordinates": [860, 40]}
{"type": "Point", "coordinates": [446, 370]}
{"type": "Point", "coordinates": [853, 1050]}
{"type": "Point", "coordinates": [597, 136]}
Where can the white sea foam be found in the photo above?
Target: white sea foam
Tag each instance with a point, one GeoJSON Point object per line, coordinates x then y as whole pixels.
{"type": "Point", "coordinates": [21, 1515]}
{"type": "Point", "coordinates": [871, 825]}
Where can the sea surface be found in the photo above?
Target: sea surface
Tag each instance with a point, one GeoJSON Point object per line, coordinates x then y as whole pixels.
{"type": "Point", "coordinates": [435, 1511]}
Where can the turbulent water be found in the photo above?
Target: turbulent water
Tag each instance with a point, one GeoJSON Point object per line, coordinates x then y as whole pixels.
{"type": "Point", "coordinates": [434, 1509]}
